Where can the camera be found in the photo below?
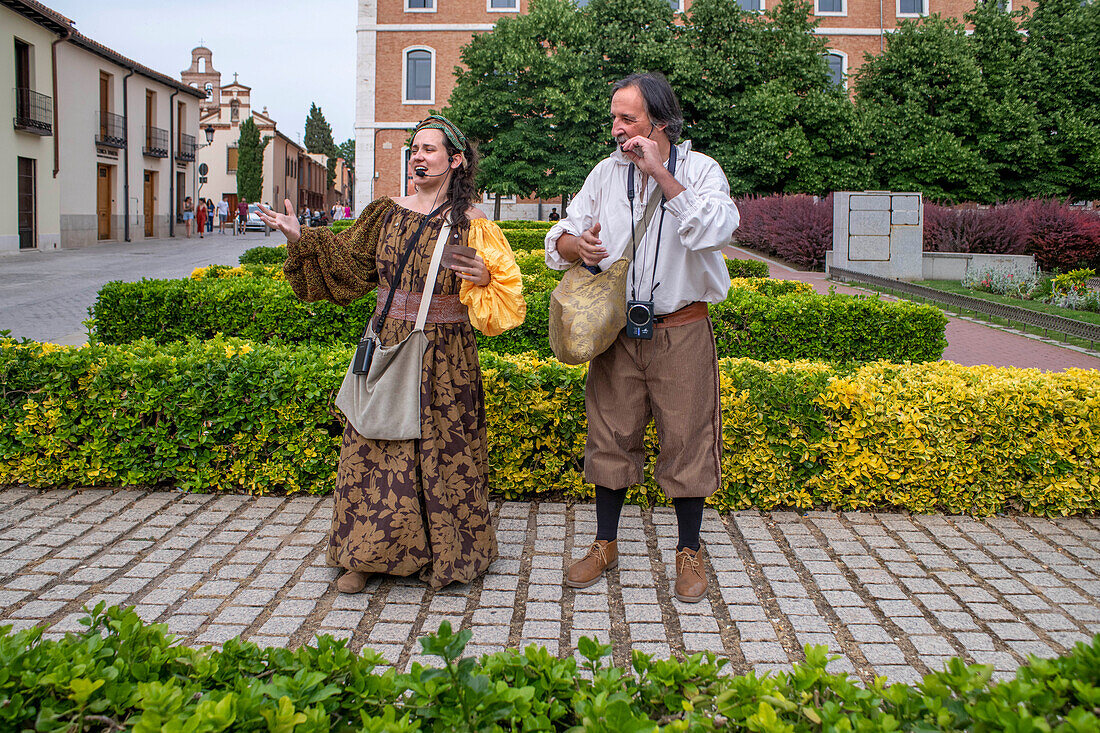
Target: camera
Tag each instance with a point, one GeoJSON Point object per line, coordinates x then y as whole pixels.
{"type": "Point", "coordinates": [364, 354]}
{"type": "Point", "coordinates": [639, 319]}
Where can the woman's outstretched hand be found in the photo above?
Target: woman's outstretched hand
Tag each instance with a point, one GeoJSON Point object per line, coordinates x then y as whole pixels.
{"type": "Point", "coordinates": [286, 223]}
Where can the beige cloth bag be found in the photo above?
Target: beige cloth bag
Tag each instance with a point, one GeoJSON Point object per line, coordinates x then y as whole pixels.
{"type": "Point", "coordinates": [587, 310]}
{"type": "Point", "coordinates": [384, 403]}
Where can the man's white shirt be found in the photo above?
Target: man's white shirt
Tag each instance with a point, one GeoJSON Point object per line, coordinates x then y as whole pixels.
{"type": "Point", "coordinates": [698, 223]}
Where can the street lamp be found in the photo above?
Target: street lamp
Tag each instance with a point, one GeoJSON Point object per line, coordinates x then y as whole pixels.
{"type": "Point", "coordinates": [209, 134]}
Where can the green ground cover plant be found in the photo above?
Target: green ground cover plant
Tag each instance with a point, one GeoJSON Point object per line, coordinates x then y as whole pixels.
{"type": "Point", "coordinates": [236, 416]}
{"type": "Point", "coordinates": [122, 674]}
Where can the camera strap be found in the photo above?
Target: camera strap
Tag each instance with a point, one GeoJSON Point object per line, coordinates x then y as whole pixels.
{"type": "Point", "coordinates": [401, 267]}
{"type": "Point", "coordinates": [639, 231]}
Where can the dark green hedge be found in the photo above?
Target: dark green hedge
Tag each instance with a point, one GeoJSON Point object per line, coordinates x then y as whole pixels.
{"type": "Point", "coordinates": [507, 224]}
{"type": "Point", "coordinates": [833, 328]}
{"type": "Point", "coordinates": [746, 268]}
{"type": "Point", "coordinates": [836, 328]}
{"type": "Point", "coordinates": [263, 256]}
{"type": "Point", "coordinates": [122, 674]}
{"type": "Point", "coordinates": [525, 239]}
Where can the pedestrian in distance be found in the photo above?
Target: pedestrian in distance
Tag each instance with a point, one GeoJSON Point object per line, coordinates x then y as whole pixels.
{"type": "Point", "coordinates": [223, 215]}
{"type": "Point", "coordinates": [200, 217]}
{"type": "Point", "coordinates": [188, 215]}
{"type": "Point", "coordinates": [417, 506]}
{"type": "Point", "coordinates": [663, 365]}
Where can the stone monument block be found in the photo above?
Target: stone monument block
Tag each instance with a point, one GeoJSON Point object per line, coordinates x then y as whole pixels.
{"type": "Point", "coordinates": [879, 232]}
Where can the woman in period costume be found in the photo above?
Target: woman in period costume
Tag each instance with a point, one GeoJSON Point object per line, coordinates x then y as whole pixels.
{"type": "Point", "coordinates": [417, 505]}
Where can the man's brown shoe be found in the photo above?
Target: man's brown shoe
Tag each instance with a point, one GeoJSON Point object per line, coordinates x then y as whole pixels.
{"type": "Point", "coordinates": [351, 582]}
{"type": "Point", "coordinates": [602, 555]}
{"type": "Point", "coordinates": [691, 579]}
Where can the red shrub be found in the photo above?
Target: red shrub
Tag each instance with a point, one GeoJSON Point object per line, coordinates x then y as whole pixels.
{"type": "Point", "coordinates": [798, 229]}
{"type": "Point", "coordinates": [1062, 237]}
{"type": "Point", "coordinates": [1000, 230]}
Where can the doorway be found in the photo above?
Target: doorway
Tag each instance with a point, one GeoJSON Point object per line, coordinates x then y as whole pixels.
{"type": "Point", "coordinates": [150, 203]}
{"type": "Point", "coordinates": [28, 238]}
{"type": "Point", "coordinates": [103, 200]}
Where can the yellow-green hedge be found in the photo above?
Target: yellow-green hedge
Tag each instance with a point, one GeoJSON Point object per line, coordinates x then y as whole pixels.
{"type": "Point", "coordinates": [228, 415]}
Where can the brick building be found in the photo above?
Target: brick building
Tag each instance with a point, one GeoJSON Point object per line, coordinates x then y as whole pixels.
{"type": "Point", "coordinates": [407, 50]}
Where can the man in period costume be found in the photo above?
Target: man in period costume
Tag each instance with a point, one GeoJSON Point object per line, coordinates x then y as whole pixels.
{"type": "Point", "coordinates": [670, 375]}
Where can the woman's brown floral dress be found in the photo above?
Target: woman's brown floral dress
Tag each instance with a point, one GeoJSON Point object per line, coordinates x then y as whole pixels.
{"type": "Point", "coordinates": [406, 506]}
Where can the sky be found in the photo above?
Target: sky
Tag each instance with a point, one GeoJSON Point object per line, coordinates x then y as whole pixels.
{"type": "Point", "coordinates": [291, 54]}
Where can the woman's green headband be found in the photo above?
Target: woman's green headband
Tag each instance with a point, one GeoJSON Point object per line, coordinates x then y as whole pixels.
{"type": "Point", "coordinates": [439, 122]}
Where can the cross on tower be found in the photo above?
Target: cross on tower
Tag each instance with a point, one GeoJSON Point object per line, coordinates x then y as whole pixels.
{"type": "Point", "coordinates": [234, 77]}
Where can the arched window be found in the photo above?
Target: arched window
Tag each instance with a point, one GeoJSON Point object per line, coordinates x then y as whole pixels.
{"type": "Point", "coordinates": [209, 91]}
{"type": "Point", "coordinates": [419, 73]}
{"type": "Point", "coordinates": [838, 67]}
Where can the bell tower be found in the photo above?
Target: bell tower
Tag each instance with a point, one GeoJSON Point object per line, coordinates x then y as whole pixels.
{"type": "Point", "coordinates": [202, 75]}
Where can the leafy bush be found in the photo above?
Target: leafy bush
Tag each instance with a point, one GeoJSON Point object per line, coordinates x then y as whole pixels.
{"type": "Point", "coordinates": [525, 224]}
{"type": "Point", "coordinates": [1061, 237]}
{"type": "Point", "coordinates": [798, 229]}
{"type": "Point", "coordinates": [747, 268]}
{"type": "Point", "coordinates": [525, 239]}
{"type": "Point", "coordinates": [263, 256]}
{"type": "Point", "coordinates": [254, 308]}
{"type": "Point", "coordinates": [227, 415]}
{"type": "Point", "coordinates": [836, 328]}
{"type": "Point", "coordinates": [341, 224]}
{"type": "Point", "coordinates": [1058, 235]}
{"type": "Point", "coordinates": [215, 272]}
{"type": "Point", "coordinates": [998, 230]}
{"type": "Point", "coordinates": [757, 323]}
{"type": "Point", "coordinates": [123, 674]}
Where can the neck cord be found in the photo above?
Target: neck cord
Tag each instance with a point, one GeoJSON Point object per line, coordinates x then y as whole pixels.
{"type": "Point", "coordinates": [660, 227]}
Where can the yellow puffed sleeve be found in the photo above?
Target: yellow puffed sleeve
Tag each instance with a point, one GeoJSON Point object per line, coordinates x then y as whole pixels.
{"type": "Point", "coordinates": [498, 306]}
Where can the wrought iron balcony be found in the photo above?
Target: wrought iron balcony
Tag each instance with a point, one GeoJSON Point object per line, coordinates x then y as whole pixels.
{"type": "Point", "coordinates": [187, 148]}
{"type": "Point", "coordinates": [112, 130]}
{"type": "Point", "coordinates": [156, 142]}
{"type": "Point", "coordinates": [33, 112]}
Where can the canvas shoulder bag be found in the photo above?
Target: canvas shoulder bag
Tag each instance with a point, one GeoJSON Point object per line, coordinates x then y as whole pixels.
{"type": "Point", "coordinates": [384, 403]}
{"type": "Point", "coordinates": [588, 309]}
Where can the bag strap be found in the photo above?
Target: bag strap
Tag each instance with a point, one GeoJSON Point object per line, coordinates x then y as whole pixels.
{"type": "Point", "coordinates": [429, 284]}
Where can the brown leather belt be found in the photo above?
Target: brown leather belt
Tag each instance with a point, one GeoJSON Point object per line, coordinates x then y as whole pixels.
{"type": "Point", "coordinates": [690, 313]}
{"type": "Point", "coordinates": [443, 308]}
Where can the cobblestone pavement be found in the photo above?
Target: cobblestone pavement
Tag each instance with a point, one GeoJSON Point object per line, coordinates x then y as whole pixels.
{"type": "Point", "coordinates": [969, 342]}
{"type": "Point", "coordinates": [894, 595]}
{"type": "Point", "coordinates": [45, 295]}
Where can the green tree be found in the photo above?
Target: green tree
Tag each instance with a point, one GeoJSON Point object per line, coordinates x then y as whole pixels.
{"type": "Point", "coordinates": [250, 161]}
{"type": "Point", "coordinates": [1061, 72]}
{"type": "Point", "coordinates": [346, 150]}
{"type": "Point", "coordinates": [757, 97]}
{"type": "Point", "coordinates": [1008, 130]}
{"type": "Point", "coordinates": [534, 91]}
{"type": "Point", "coordinates": [318, 139]}
{"type": "Point", "coordinates": [923, 98]}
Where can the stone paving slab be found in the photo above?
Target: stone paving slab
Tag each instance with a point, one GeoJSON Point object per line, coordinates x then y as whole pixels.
{"type": "Point", "coordinates": [892, 594]}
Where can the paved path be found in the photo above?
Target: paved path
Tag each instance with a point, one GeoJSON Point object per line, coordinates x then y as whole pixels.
{"type": "Point", "coordinates": [969, 342]}
{"type": "Point", "coordinates": [894, 595]}
{"type": "Point", "coordinates": [45, 296]}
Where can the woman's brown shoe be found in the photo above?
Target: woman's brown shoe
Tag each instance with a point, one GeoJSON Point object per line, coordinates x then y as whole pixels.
{"type": "Point", "coordinates": [691, 578]}
{"type": "Point", "coordinates": [602, 555]}
{"type": "Point", "coordinates": [351, 582]}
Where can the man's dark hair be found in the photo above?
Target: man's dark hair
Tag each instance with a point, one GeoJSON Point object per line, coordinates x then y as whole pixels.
{"type": "Point", "coordinates": [661, 103]}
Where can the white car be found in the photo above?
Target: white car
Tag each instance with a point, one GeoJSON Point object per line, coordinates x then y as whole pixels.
{"type": "Point", "coordinates": [254, 223]}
